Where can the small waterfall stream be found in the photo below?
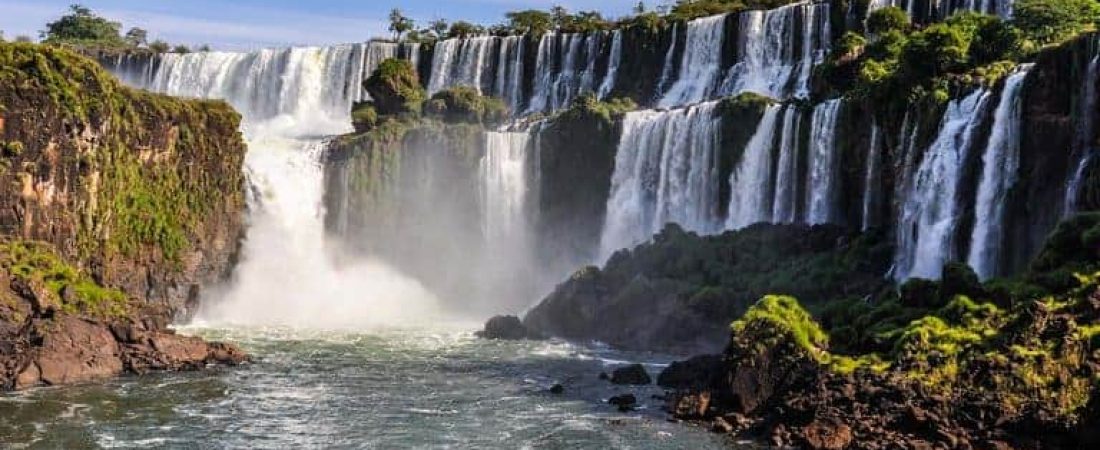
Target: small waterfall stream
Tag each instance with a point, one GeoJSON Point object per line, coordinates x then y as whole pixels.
{"type": "Point", "coordinates": [665, 171]}
{"type": "Point", "coordinates": [701, 63]}
{"type": "Point", "coordinates": [1000, 165]}
{"type": "Point", "coordinates": [929, 212]}
{"type": "Point", "coordinates": [824, 171]}
{"type": "Point", "coordinates": [750, 195]}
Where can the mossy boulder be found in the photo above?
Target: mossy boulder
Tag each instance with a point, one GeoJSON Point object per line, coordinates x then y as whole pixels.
{"type": "Point", "coordinates": [395, 88]}
{"type": "Point", "coordinates": [466, 105]}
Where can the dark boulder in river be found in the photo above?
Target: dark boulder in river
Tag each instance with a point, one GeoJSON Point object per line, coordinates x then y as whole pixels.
{"type": "Point", "coordinates": [632, 374]}
{"type": "Point", "coordinates": [508, 328]}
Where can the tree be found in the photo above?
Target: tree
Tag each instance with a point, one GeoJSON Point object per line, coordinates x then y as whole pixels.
{"type": "Point", "coordinates": [23, 38]}
{"type": "Point", "coordinates": [887, 19]}
{"type": "Point", "coordinates": [181, 49]}
{"type": "Point", "coordinates": [205, 48]}
{"type": "Point", "coordinates": [639, 8]}
{"type": "Point", "coordinates": [399, 24]}
{"type": "Point", "coordinates": [462, 29]}
{"type": "Point", "coordinates": [395, 88]}
{"type": "Point", "coordinates": [936, 50]}
{"type": "Point", "coordinates": [136, 37]}
{"type": "Point", "coordinates": [159, 46]}
{"type": "Point", "coordinates": [560, 15]}
{"type": "Point", "coordinates": [530, 21]}
{"type": "Point", "coordinates": [81, 25]}
{"type": "Point", "coordinates": [439, 27]}
{"type": "Point", "coordinates": [1050, 21]}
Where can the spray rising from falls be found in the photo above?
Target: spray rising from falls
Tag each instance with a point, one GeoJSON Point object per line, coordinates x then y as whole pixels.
{"type": "Point", "coordinates": [930, 206]}
{"type": "Point", "coordinates": [1000, 164]}
{"type": "Point", "coordinates": [666, 171]}
{"type": "Point", "coordinates": [288, 98]}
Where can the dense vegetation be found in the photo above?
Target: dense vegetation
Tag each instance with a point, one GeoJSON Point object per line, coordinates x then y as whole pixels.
{"type": "Point", "coordinates": [895, 63]}
{"type": "Point", "coordinates": [83, 28]}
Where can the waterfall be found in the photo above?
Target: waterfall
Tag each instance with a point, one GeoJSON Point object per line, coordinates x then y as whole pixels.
{"type": "Point", "coordinates": [288, 98]}
{"type": "Point", "coordinates": [785, 208]}
{"type": "Point", "coordinates": [509, 79]}
{"type": "Point", "coordinates": [929, 211]}
{"type": "Point", "coordinates": [701, 63]}
{"type": "Point", "coordinates": [944, 8]}
{"type": "Point", "coordinates": [821, 204]}
{"type": "Point", "coordinates": [1000, 163]}
{"type": "Point", "coordinates": [503, 175]}
{"type": "Point", "coordinates": [565, 68]}
{"type": "Point", "coordinates": [462, 62]}
{"type": "Point", "coordinates": [750, 199]}
{"type": "Point", "coordinates": [872, 177]}
{"type": "Point", "coordinates": [670, 62]}
{"type": "Point", "coordinates": [368, 61]}
{"type": "Point", "coordinates": [1085, 136]}
{"type": "Point", "coordinates": [666, 170]}
{"type": "Point", "coordinates": [612, 65]}
{"type": "Point", "coordinates": [778, 50]}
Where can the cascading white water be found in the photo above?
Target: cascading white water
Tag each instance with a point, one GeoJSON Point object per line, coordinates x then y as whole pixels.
{"type": "Point", "coordinates": [509, 80]}
{"type": "Point", "coordinates": [872, 177]}
{"type": "Point", "coordinates": [778, 50]}
{"type": "Point", "coordinates": [1000, 163]}
{"type": "Point", "coordinates": [785, 208]}
{"type": "Point", "coordinates": [565, 69]}
{"type": "Point", "coordinates": [1084, 136]}
{"type": "Point", "coordinates": [613, 64]}
{"type": "Point", "coordinates": [945, 8]}
{"type": "Point", "coordinates": [370, 57]}
{"type": "Point", "coordinates": [666, 170]}
{"type": "Point", "coordinates": [930, 206]}
{"type": "Point", "coordinates": [503, 175]}
{"type": "Point", "coordinates": [821, 201]}
{"type": "Point", "coordinates": [701, 63]}
{"type": "Point", "coordinates": [462, 62]}
{"type": "Point", "coordinates": [750, 199]}
{"type": "Point", "coordinates": [669, 64]}
{"type": "Point", "coordinates": [288, 99]}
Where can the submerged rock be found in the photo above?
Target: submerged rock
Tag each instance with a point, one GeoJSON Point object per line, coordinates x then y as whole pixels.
{"type": "Point", "coordinates": [625, 402]}
{"type": "Point", "coordinates": [633, 374]}
{"type": "Point", "coordinates": [557, 389]}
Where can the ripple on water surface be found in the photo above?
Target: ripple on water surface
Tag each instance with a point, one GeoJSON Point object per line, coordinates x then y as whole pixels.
{"type": "Point", "coordinates": [382, 389]}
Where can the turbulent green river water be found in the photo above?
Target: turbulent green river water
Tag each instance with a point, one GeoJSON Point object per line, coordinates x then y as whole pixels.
{"type": "Point", "coordinates": [383, 389]}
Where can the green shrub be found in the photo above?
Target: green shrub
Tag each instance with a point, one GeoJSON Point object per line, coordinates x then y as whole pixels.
{"type": "Point", "coordinates": [395, 88]}
{"type": "Point", "coordinates": [1051, 21]}
{"type": "Point", "coordinates": [887, 20]}
{"type": "Point", "coordinates": [465, 105]}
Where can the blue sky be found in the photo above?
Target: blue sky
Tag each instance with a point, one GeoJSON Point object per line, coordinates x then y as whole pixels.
{"type": "Point", "coordinates": [243, 24]}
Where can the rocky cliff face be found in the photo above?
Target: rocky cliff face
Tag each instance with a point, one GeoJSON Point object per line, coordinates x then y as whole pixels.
{"type": "Point", "coordinates": [117, 206]}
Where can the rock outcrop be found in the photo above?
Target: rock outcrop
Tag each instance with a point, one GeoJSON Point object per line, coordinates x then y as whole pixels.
{"type": "Point", "coordinates": [681, 291]}
{"type": "Point", "coordinates": [116, 207]}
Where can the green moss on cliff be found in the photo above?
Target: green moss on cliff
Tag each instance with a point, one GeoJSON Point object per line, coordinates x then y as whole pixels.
{"type": "Point", "coordinates": [149, 170]}
{"type": "Point", "coordinates": [73, 289]}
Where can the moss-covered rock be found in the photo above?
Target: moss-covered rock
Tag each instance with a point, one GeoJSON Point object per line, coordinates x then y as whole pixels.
{"type": "Point", "coordinates": [395, 88]}
{"type": "Point", "coordinates": [466, 105]}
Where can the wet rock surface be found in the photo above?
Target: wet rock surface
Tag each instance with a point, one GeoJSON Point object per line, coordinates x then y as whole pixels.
{"type": "Point", "coordinates": [634, 374]}
{"type": "Point", "coordinates": [508, 328]}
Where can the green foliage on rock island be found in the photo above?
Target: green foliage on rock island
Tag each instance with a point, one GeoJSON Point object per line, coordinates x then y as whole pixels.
{"type": "Point", "coordinates": [466, 105]}
{"type": "Point", "coordinates": [1037, 350]}
{"type": "Point", "coordinates": [395, 88]}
